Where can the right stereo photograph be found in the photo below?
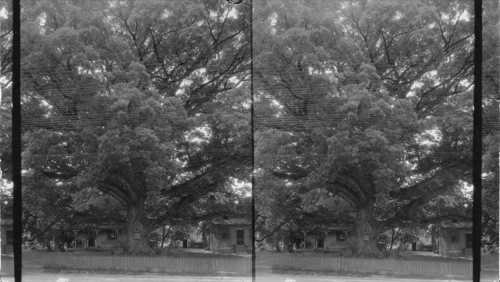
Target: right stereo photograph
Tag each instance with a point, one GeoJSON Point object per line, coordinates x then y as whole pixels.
{"type": "Point", "coordinates": [363, 124]}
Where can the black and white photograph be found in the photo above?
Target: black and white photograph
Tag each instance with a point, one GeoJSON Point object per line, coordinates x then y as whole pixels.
{"type": "Point", "coordinates": [249, 140]}
{"type": "Point", "coordinates": [363, 126]}
{"type": "Point", "coordinates": [136, 139]}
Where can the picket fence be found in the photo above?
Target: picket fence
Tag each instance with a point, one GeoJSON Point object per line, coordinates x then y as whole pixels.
{"type": "Point", "coordinates": [431, 268]}
{"type": "Point", "coordinates": [243, 266]}
{"type": "Point", "coordinates": [194, 265]}
{"type": "Point", "coordinates": [490, 262]}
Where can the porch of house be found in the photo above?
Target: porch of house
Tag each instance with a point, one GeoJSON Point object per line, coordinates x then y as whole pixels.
{"type": "Point", "coordinates": [332, 240]}
{"type": "Point", "coordinates": [101, 238]}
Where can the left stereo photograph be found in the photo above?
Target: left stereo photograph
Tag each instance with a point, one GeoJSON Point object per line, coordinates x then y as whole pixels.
{"type": "Point", "coordinates": [136, 140]}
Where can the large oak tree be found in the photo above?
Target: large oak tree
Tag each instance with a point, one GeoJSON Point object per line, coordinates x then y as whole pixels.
{"type": "Point", "coordinates": [367, 100]}
{"type": "Point", "coordinates": [144, 101]}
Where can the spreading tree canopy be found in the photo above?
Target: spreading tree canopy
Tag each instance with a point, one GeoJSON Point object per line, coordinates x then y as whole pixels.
{"type": "Point", "coordinates": [144, 101]}
{"type": "Point", "coordinates": [367, 100]}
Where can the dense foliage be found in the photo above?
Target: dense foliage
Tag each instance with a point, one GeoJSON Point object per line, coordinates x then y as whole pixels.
{"type": "Point", "coordinates": [370, 101]}
{"type": "Point", "coordinates": [143, 101]}
{"type": "Point", "coordinates": [148, 102]}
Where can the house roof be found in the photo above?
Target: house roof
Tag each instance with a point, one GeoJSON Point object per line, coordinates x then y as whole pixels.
{"type": "Point", "coordinates": [112, 226]}
{"type": "Point", "coordinates": [332, 227]}
{"type": "Point", "coordinates": [448, 224]}
{"type": "Point", "coordinates": [233, 221]}
{"type": "Point", "coordinates": [102, 226]}
{"type": "Point", "coordinates": [340, 227]}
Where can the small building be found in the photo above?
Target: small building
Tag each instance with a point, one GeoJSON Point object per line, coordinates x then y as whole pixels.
{"type": "Point", "coordinates": [334, 235]}
{"type": "Point", "coordinates": [231, 235]}
{"type": "Point", "coordinates": [455, 238]}
{"type": "Point", "coordinates": [7, 236]}
{"type": "Point", "coordinates": [104, 236]}
{"type": "Point", "coordinates": [334, 238]}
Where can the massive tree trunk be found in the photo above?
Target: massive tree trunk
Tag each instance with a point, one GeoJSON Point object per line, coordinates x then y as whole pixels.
{"type": "Point", "coordinates": [138, 244]}
{"type": "Point", "coordinates": [138, 233]}
{"type": "Point", "coordinates": [367, 232]}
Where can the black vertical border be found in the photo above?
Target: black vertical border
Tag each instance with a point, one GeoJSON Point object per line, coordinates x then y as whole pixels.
{"type": "Point", "coordinates": [252, 129]}
{"type": "Point", "coordinates": [16, 137]}
{"type": "Point", "coordinates": [477, 142]}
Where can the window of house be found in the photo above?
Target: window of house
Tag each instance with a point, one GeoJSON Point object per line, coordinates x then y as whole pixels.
{"type": "Point", "coordinates": [10, 237]}
{"type": "Point", "coordinates": [240, 237]}
{"type": "Point", "coordinates": [224, 233]}
{"type": "Point", "coordinates": [111, 235]}
{"type": "Point", "coordinates": [341, 236]}
{"type": "Point", "coordinates": [453, 237]}
{"type": "Point", "coordinates": [468, 240]}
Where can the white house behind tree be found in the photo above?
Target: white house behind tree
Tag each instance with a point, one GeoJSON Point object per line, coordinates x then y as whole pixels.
{"type": "Point", "coordinates": [330, 236]}
{"type": "Point", "coordinates": [231, 235]}
{"type": "Point", "coordinates": [455, 238]}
